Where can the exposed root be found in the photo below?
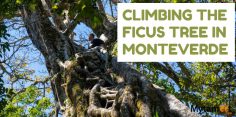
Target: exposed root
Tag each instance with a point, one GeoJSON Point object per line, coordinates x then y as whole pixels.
{"type": "Point", "coordinates": [123, 92]}
{"type": "Point", "coordinates": [95, 108]}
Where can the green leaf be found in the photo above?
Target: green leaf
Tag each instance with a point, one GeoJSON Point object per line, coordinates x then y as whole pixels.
{"type": "Point", "coordinates": [32, 6]}
{"type": "Point", "coordinates": [19, 1]}
{"type": "Point", "coordinates": [54, 7]}
{"type": "Point", "coordinates": [83, 7]}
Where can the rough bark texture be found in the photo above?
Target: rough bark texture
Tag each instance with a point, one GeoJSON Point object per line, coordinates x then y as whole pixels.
{"type": "Point", "coordinates": [92, 83]}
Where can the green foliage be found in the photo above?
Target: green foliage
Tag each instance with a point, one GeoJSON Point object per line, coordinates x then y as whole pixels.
{"type": "Point", "coordinates": [165, 83]}
{"type": "Point", "coordinates": [30, 4]}
{"type": "Point", "coordinates": [114, 50]}
{"type": "Point", "coordinates": [84, 9]}
{"type": "Point", "coordinates": [42, 104]}
{"type": "Point", "coordinates": [156, 114]}
{"type": "Point", "coordinates": [154, 76]}
{"type": "Point", "coordinates": [210, 84]}
{"type": "Point", "coordinates": [8, 9]}
{"type": "Point", "coordinates": [163, 1]}
{"type": "Point", "coordinates": [4, 45]}
{"type": "Point", "coordinates": [219, 1]}
{"type": "Point", "coordinates": [28, 103]}
{"type": "Point", "coordinates": [3, 100]}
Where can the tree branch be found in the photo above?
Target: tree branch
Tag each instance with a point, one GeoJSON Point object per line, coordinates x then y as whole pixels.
{"type": "Point", "coordinates": [167, 72]}
{"type": "Point", "coordinates": [70, 28]}
{"type": "Point", "coordinates": [170, 105]}
{"type": "Point", "coordinates": [184, 70]}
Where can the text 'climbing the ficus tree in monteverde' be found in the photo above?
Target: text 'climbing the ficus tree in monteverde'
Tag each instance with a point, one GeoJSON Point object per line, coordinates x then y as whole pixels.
{"type": "Point", "coordinates": [176, 32]}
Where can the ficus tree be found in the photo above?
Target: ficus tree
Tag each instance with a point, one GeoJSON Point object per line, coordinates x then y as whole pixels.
{"type": "Point", "coordinates": [90, 82]}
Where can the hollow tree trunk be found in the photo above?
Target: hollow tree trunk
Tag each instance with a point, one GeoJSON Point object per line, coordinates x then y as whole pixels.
{"type": "Point", "coordinates": [91, 85]}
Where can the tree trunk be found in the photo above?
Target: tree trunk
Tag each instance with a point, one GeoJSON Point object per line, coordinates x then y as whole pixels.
{"type": "Point", "coordinates": [93, 84]}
